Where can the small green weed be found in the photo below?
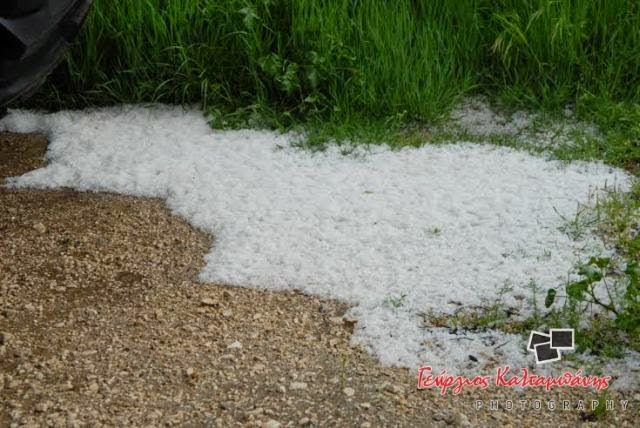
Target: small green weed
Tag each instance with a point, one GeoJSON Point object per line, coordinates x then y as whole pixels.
{"type": "Point", "coordinates": [603, 303]}
{"type": "Point", "coordinates": [490, 315]}
{"type": "Point", "coordinates": [434, 231]}
{"type": "Point", "coordinates": [396, 302]}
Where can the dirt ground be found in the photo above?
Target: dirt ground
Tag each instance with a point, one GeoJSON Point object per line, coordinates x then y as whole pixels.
{"type": "Point", "coordinates": [102, 322]}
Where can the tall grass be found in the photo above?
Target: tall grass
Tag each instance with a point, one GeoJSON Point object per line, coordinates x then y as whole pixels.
{"type": "Point", "coordinates": [551, 52]}
{"type": "Point", "coordinates": [338, 59]}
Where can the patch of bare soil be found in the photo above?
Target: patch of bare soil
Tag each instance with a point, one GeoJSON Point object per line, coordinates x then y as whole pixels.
{"type": "Point", "coordinates": [102, 322]}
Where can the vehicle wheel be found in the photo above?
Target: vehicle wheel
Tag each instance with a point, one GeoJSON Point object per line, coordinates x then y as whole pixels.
{"type": "Point", "coordinates": [34, 36]}
{"type": "Point", "coordinates": [13, 8]}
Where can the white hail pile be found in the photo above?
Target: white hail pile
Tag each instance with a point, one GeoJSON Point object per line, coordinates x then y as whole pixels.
{"type": "Point", "coordinates": [395, 233]}
{"type": "Point", "coordinates": [475, 117]}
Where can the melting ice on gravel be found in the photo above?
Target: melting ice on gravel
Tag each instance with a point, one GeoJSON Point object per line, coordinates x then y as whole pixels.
{"type": "Point", "coordinates": [395, 233]}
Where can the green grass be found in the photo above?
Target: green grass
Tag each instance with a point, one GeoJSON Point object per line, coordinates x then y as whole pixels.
{"type": "Point", "coordinates": [285, 62]}
{"type": "Point", "coordinates": [491, 315]}
{"type": "Point", "coordinates": [299, 58]}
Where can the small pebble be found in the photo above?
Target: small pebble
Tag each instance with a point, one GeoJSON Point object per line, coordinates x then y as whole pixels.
{"type": "Point", "coordinates": [235, 345]}
{"type": "Point", "coordinates": [40, 228]}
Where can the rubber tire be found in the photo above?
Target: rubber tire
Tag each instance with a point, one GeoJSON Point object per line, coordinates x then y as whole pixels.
{"type": "Point", "coordinates": [14, 8]}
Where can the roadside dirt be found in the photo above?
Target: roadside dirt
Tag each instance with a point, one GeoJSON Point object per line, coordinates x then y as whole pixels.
{"type": "Point", "coordinates": [102, 322]}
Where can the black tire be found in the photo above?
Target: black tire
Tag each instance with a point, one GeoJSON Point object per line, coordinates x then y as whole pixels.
{"type": "Point", "coordinates": [33, 44]}
{"type": "Point", "coordinates": [13, 8]}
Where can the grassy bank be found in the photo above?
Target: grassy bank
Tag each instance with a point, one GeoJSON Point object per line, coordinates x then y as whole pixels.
{"type": "Point", "coordinates": [342, 59]}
